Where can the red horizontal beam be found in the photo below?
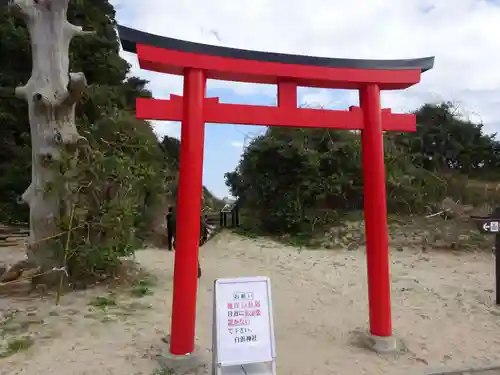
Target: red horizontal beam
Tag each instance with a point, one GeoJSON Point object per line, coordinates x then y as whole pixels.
{"type": "Point", "coordinates": [231, 69]}
{"type": "Point", "coordinates": [221, 113]}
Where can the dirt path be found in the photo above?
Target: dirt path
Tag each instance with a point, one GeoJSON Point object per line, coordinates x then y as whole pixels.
{"type": "Point", "coordinates": [442, 310]}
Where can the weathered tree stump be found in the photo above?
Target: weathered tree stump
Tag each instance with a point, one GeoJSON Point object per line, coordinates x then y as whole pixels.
{"type": "Point", "coordinates": [51, 93]}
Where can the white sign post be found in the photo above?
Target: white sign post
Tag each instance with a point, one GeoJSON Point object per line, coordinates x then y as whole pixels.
{"type": "Point", "coordinates": [243, 329]}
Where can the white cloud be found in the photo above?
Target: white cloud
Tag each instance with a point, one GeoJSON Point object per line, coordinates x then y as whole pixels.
{"type": "Point", "coordinates": [464, 35]}
{"type": "Point", "coordinates": [315, 98]}
{"type": "Point", "coordinates": [237, 144]}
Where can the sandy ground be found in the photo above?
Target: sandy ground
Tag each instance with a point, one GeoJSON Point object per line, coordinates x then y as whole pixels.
{"type": "Point", "coordinates": [443, 310]}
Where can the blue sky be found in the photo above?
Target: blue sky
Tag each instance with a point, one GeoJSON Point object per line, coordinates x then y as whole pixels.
{"type": "Point", "coordinates": [466, 70]}
{"type": "Point", "coordinates": [224, 142]}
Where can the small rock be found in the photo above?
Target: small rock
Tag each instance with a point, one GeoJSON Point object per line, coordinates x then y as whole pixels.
{"type": "Point", "coordinates": [421, 360]}
{"type": "Point", "coordinates": [447, 357]}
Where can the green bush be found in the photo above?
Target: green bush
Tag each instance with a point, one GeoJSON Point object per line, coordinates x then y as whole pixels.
{"type": "Point", "coordinates": [296, 180]}
{"type": "Point", "coordinates": [108, 190]}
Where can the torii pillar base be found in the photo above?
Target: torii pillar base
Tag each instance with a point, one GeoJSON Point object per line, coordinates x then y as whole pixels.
{"type": "Point", "coordinates": [384, 344]}
{"type": "Point", "coordinates": [191, 363]}
{"type": "Point", "coordinates": [377, 344]}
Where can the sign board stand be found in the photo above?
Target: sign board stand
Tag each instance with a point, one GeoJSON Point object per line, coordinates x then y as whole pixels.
{"type": "Point", "coordinates": [243, 328]}
{"type": "Point", "coordinates": [490, 225]}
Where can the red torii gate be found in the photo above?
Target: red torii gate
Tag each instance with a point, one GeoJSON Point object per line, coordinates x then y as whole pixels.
{"type": "Point", "coordinates": [199, 62]}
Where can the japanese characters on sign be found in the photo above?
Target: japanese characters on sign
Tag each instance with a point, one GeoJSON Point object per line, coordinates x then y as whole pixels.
{"type": "Point", "coordinates": [241, 312]}
{"type": "Point", "coordinates": [243, 323]}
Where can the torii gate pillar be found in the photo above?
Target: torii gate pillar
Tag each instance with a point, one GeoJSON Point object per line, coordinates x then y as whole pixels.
{"type": "Point", "coordinates": [377, 238]}
{"type": "Point", "coordinates": [188, 214]}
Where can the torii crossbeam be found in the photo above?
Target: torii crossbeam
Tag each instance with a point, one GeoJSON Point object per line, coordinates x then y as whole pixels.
{"type": "Point", "coordinates": [199, 62]}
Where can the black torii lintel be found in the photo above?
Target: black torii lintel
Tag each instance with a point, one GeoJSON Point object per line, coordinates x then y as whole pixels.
{"type": "Point", "coordinates": [130, 38]}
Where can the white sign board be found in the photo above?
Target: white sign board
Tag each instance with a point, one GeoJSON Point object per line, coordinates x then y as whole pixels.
{"type": "Point", "coordinates": [243, 325]}
{"type": "Point", "coordinates": [494, 227]}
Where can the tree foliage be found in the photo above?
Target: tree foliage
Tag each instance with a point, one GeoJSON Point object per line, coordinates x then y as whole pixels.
{"type": "Point", "coordinates": [114, 185]}
{"type": "Point", "coordinates": [444, 141]}
{"type": "Point", "coordinates": [97, 57]}
{"type": "Point", "coordinates": [110, 189]}
{"type": "Point", "coordinates": [294, 179]}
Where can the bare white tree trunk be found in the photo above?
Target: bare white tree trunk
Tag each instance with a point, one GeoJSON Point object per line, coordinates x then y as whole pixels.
{"type": "Point", "coordinates": [51, 93]}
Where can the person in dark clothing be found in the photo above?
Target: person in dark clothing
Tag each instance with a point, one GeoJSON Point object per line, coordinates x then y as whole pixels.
{"type": "Point", "coordinates": [203, 235]}
{"type": "Point", "coordinates": [203, 230]}
{"type": "Point", "coordinates": [170, 228]}
{"type": "Point", "coordinates": [203, 239]}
